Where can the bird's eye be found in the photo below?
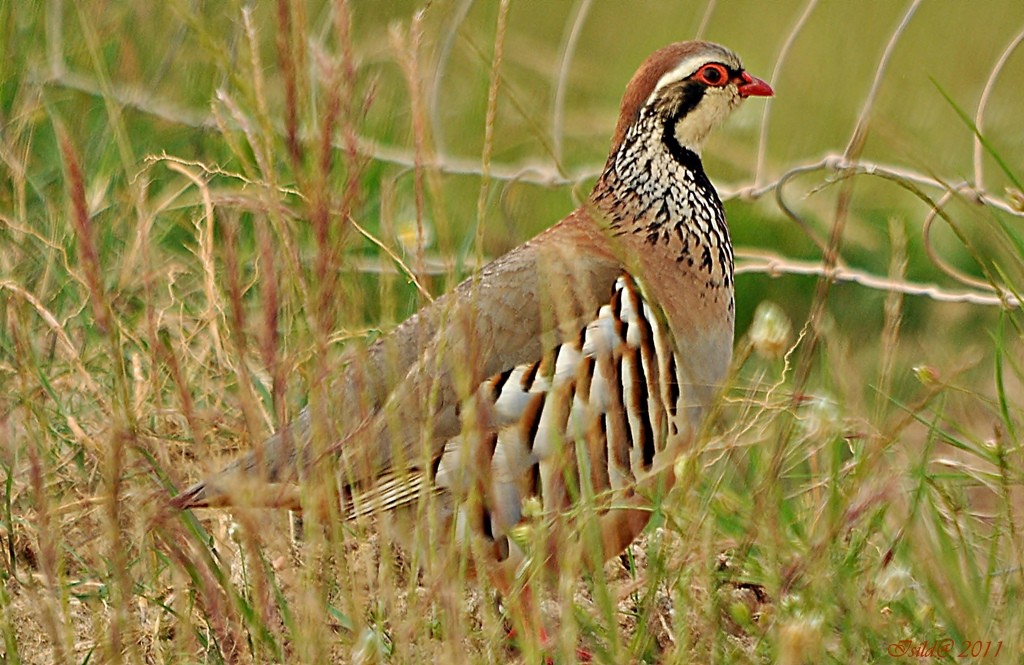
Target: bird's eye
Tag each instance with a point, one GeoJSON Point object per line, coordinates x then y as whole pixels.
{"type": "Point", "coordinates": [712, 74]}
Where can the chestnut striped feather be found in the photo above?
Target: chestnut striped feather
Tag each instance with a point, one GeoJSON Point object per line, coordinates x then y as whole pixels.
{"type": "Point", "coordinates": [590, 424]}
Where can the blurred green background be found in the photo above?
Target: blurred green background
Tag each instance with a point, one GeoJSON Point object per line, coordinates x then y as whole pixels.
{"type": "Point", "coordinates": [130, 81]}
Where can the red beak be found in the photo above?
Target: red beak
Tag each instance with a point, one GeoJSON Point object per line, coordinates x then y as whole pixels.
{"type": "Point", "coordinates": [751, 86]}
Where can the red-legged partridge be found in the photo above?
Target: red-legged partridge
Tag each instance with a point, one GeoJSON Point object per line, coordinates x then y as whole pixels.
{"type": "Point", "coordinates": [574, 369]}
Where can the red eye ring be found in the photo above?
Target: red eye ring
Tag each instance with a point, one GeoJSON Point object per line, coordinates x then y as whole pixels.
{"type": "Point", "coordinates": [713, 74]}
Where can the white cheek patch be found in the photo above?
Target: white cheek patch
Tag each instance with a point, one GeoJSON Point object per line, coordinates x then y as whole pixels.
{"type": "Point", "coordinates": [716, 106]}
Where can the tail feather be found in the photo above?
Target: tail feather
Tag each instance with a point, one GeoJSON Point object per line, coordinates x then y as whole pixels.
{"type": "Point", "coordinates": [255, 474]}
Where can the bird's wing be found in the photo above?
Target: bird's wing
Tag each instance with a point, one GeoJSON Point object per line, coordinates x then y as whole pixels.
{"type": "Point", "coordinates": [401, 394]}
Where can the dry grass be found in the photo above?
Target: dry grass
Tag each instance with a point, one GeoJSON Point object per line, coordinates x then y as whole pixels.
{"type": "Point", "coordinates": [201, 207]}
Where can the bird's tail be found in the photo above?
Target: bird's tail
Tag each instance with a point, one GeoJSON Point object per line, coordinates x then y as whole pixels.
{"type": "Point", "coordinates": [253, 475]}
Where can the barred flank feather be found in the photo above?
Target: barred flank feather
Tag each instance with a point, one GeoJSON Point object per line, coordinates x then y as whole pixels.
{"type": "Point", "coordinates": [613, 390]}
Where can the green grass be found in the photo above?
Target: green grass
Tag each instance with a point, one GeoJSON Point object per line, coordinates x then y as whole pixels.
{"type": "Point", "coordinates": [180, 265]}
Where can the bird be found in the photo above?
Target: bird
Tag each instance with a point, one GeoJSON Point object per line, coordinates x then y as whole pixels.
{"type": "Point", "coordinates": [572, 371]}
